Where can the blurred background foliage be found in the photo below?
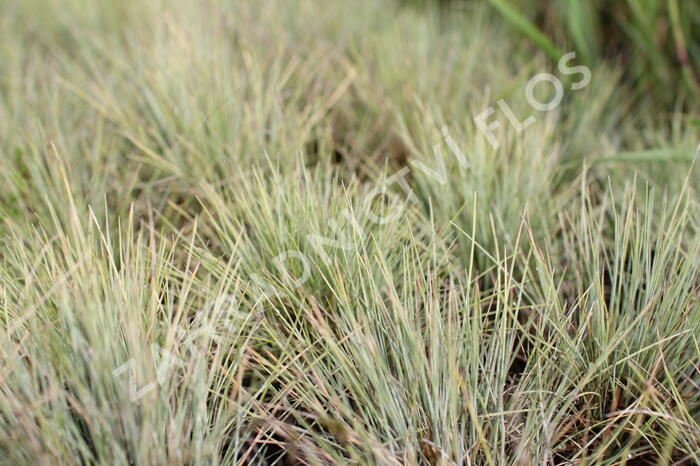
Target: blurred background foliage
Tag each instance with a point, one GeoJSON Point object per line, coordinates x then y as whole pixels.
{"type": "Point", "coordinates": [655, 42]}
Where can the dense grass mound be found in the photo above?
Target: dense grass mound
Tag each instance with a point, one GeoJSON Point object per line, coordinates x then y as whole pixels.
{"type": "Point", "coordinates": [277, 233]}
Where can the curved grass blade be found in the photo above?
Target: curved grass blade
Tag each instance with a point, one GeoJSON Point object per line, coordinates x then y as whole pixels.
{"type": "Point", "coordinates": [519, 21]}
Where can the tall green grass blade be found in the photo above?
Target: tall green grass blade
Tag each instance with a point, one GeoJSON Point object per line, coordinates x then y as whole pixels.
{"type": "Point", "coordinates": [519, 21]}
{"type": "Point", "coordinates": [583, 24]}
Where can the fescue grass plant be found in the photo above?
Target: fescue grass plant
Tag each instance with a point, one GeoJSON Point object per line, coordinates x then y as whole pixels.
{"type": "Point", "coordinates": [242, 233]}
